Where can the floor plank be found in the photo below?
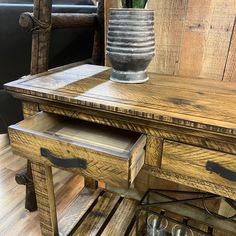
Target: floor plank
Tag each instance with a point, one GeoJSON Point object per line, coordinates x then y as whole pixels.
{"type": "Point", "coordinates": [4, 141]}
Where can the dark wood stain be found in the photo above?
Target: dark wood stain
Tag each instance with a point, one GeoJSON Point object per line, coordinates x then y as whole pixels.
{"type": "Point", "coordinates": [179, 101]}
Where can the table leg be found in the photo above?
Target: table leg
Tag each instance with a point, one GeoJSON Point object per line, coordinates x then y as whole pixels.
{"type": "Point", "coordinates": [25, 178]}
{"type": "Point", "coordinates": [43, 180]}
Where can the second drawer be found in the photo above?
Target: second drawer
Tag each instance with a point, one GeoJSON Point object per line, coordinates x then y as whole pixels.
{"type": "Point", "coordinates": [199, 163]}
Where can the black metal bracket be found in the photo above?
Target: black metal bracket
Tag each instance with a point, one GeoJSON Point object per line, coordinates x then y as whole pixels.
{"type": "Point", "coordinates": [221, 171]}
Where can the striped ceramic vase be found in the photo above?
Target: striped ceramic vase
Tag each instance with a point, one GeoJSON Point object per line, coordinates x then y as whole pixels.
{"type": "Point", "coordinates": [130, 44]}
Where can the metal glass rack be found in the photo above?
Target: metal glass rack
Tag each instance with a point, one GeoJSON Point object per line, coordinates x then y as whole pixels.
{"type": "Point", "coordinates": [192, 211]}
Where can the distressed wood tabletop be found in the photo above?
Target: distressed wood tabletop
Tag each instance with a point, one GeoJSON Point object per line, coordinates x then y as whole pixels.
{"type": "Point", "coordinates": [202, 104]}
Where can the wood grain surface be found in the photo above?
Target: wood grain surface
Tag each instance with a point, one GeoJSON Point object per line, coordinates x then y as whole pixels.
{"type": "Point", "coordinates": [200, 104]}
{"type": "Point", "coordinates": [230, 69]}
{"type": "Point", "coordinates": [76, 210]}
{"type": "Point", "coordinates": [72, 204]}
{"type": "Point", "coordinates": [193, 136]}
{"type": "Point", "coordinates": [112, 155]}
{"type": "Point", "coordinates": [29, 108]}
{"type": "Point", "coordinates": [193, 38]}
{"type": "Point", "coordinates": [41, 37]}
{"type": "Point", "coordinates": [44, 189]}
{"type": "Point", "coordinates": [96, 219]}
{"type": "Point", "coordinates": [195, 182]}
{"type": "Point", "coordinates": [154, 151]}
{"type": "Point", "coordinates": [193, 111]}
{"type": "Point", "coordinates": [177, 156]}
{"type": "Point", "coordinates": [4, 142]}
{"type": "Point", "coordinates": [121, 220]}
{"type": "Point", "coordinates": [110, 214]}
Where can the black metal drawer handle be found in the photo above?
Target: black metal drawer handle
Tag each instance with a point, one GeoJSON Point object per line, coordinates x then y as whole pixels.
{"type": "Point", "coordinates": [61, 162]}
{"type": "Point", "coordinates": [221, 171]}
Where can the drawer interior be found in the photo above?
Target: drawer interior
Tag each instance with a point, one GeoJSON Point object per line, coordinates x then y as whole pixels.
{"type": "Point", "coordinates": [95, 136]}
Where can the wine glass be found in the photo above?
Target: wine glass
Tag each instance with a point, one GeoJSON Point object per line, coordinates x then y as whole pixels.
{"type": "Point", "coordinates": [156, 225]}
{"type": "Point", "coordinates": [181, 230]}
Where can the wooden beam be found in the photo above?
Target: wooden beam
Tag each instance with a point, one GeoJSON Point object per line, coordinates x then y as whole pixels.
{"type": "Point", "coordinates": [41, 36]}
{"type": "Point", "coordinates": [99, 45]}
{"type": "Point", "coordinates": [43, 181]}
{"type": "Point", "coordinates": [61, 20]}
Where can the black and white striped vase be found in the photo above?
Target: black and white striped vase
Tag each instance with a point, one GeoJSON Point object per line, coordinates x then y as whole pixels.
{"type": "Point", "coordinates": [130, 44]}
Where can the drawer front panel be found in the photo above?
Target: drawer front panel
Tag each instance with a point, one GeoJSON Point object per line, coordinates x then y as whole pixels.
{"type": "Point", "coordinates": [44, 147]}
{"type": "Point", "coordinates": [203, 164]}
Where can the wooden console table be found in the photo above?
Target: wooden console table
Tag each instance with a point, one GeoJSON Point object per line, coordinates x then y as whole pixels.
{"type": "Point", "coordinates": [190, 125]}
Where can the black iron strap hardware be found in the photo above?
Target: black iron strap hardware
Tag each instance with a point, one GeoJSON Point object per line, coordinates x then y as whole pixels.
{"type": "Point", "coordinates": [221, 171]}
{"type": "Point", "coordinates": [62, 162]}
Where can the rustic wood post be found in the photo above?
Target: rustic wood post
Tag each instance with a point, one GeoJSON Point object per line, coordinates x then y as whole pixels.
{"type": "Point", "coordinates": [41, 35]}
{"type": "Point", "coordinates": [46, 199]}
{"type": "Point", "coordinates": [98, 46]}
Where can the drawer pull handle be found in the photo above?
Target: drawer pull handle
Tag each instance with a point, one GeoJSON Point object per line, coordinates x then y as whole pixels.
{"type": "Point", "coordinates": [220, 170]}
{"type": "Point", "coordinates": [61, 162]}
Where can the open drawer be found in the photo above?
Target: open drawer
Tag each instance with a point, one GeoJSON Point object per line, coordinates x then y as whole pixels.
{"type": "Point", "coordinates": [104, 153]}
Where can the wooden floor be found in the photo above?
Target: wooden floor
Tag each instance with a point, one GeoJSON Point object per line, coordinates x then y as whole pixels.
{"type": "Point", "coordinates": [14, 219]}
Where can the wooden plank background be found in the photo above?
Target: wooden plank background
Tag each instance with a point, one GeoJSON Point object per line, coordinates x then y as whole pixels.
{"type": "Point", "coordinates": [194, 38]}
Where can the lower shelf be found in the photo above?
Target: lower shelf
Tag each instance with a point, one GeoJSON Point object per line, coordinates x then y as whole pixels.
{"type": "Point", "coordinates": [98, 212]}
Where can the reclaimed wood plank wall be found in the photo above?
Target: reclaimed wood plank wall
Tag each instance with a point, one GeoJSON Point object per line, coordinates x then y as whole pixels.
{"type": "Point", "coordinates": [193, 38]}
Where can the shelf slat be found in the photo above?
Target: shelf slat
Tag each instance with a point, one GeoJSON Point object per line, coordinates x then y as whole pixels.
{"type": "Point", "coordinates": [122, 218]}
{"type": "Point", "coordinates": [76, 210]}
